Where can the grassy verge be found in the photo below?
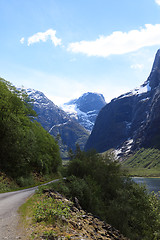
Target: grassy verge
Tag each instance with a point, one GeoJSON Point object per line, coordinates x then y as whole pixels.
{"type": "Point", "coordinates": [43, 216]}
{"type": "Point", "coordinates": [26, 212]}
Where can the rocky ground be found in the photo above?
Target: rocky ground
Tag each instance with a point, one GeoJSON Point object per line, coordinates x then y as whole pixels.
{"type": "Point", "coordinates": [80, 224]}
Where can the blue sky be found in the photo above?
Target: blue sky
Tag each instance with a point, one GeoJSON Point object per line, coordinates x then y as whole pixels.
{"type": "Point", "coordinates": [65, 48]}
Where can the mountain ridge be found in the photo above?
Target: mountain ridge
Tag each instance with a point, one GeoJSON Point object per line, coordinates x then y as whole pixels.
{"type": "Point", "coordinates": [130, 121]}
{"type": "Point", "coordinates": [57, 122]}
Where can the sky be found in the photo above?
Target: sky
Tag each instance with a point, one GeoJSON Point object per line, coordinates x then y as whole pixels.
{"type": "Point", "coordinates": [65, 48]}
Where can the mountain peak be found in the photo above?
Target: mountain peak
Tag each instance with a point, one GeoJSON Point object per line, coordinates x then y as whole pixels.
{"type": "Point", "coordinates": [90, 102]}
{"type": "Point", "coordinates": [156, 63]}
{"type": "Point", "coordinates": [85, 109]}
{"type": "Point", "coordinates": [154, 77]}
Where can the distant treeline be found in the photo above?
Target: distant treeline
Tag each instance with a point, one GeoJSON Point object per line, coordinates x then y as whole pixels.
{"type": "Point", "coordinates": [25, 147]}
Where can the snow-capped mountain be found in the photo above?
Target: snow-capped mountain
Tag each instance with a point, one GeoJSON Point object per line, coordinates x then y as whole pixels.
{"type": "Point", "coordinates": [49, 114]}
{"type": "Point", "coordinates": [85, 109]}
{"type": "Point", "coordinates": [57, 122]}
{"type": "Point", "coordinates": [130, 121]}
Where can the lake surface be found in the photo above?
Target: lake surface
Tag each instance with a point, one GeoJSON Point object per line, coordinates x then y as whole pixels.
{"type": "Point", "coordinates": [152, 184]}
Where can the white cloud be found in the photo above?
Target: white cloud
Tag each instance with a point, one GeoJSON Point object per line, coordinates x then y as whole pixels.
{"type": "Point", "coordinates": [119, 42]}
{"type": "Point", "coordinates": [137, 66]}
{"type": "Point", "coordinates": [158, 2]}
{"type": "Point", "coordinates": [44, 36]}
{"type": "Point", "coordinates": [22, 40]}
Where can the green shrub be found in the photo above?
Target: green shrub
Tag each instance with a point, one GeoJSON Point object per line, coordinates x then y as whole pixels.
{"type": "Point", "coordinates": [25, 181]}
{"type": "Point", "coordinates": [50, 235]}
{"type": "Point", "coordinates": [49, 210]}
{"type": "Point", "coordinates": [102, 188]}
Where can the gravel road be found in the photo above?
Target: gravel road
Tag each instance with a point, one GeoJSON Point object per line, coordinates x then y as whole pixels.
{"type": "Point", "coordinates": [9, 218]}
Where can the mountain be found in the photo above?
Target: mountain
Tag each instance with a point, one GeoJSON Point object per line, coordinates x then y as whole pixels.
{"type": "Point", "coordinates": [130, 121]}
{"type": "Point", "coordinates": [85, 109]}
{"type": "Point", "coordinates": [57, 122]}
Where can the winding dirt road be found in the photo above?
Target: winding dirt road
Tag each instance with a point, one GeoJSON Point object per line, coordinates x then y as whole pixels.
{"type": "Point", "coordinates": [9, 218]}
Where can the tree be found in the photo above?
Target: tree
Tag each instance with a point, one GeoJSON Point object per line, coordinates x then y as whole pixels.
{"type": "Point", "coordinates": [113, 196]}
{"type": "Point", "coordinates": [24, 145]}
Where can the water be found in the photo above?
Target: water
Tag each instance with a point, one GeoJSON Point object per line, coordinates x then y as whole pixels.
{"type": "Point", "coordinates": [152, 184]}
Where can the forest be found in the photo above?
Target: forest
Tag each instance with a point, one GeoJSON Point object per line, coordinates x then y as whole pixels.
{"type": "Point", "coordinates": [25, 147]}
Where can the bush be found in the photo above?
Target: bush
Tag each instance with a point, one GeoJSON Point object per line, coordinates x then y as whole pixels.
{"type": "Point", "coordinates": [49, 210]}
{"type": "Point", "coordinates": [25, 181]}
{"type": "Point", "coordinates": [102, 188]}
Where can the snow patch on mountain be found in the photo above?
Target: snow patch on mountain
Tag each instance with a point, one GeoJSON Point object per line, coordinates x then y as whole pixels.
{"type": "Point", "coordinates": [137, 91]}
{"type": "Point", "coordinates": [122, 151]}
{"type": "Point", "coordinates": [58, 125]}
{"type": "Point", "coordinates": [70, 109]}
{"type": "Point", "coordinates": [74, 112]}
{"type": "Point", "coordinates": [143, 89]}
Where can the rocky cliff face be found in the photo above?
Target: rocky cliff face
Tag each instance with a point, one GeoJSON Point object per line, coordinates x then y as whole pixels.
{"type": "Point", "coordinates": [57, 122]}
{"type": "Point", "coordinates": [130, 121]}
{"type": "Point", "coordinates": [85, 109]}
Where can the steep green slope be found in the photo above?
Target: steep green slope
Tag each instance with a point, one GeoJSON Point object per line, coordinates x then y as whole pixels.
{"type": "Point", "coordinates": [145, 162]}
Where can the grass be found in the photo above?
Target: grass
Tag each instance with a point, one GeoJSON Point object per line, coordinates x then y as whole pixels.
{"type": "Point", "coordinates": [144, 163]}
{"type": "Point", "coordinates": [42, 216]}
{"type": "Point", "coordinates": [142, 172]}
{"type": "Point", "coordinates": [26, 212]}
{"type": "Point", "coordinates": [49, 210]}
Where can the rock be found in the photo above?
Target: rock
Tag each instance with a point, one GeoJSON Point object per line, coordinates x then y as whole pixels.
{"type": "Point", "coordinates": [83, 225]}
{"type": "Point", "coordinates": [76, 203]}
{"type": "Point", "coordinates": [74, 224]}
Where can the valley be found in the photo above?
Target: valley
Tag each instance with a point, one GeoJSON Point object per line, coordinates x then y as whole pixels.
{"type": "Point", "coordinates": [71, 123]}
{"type": "Point", "coordinates": [80, 103]}
{"type": "Point", "coordinates": [126, 125]}
{"type": "Point", "coordinates": [125, 135]}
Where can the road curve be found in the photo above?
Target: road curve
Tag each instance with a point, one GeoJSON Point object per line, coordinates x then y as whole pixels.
{"type": "Point", "coordinates": [9, 204]}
